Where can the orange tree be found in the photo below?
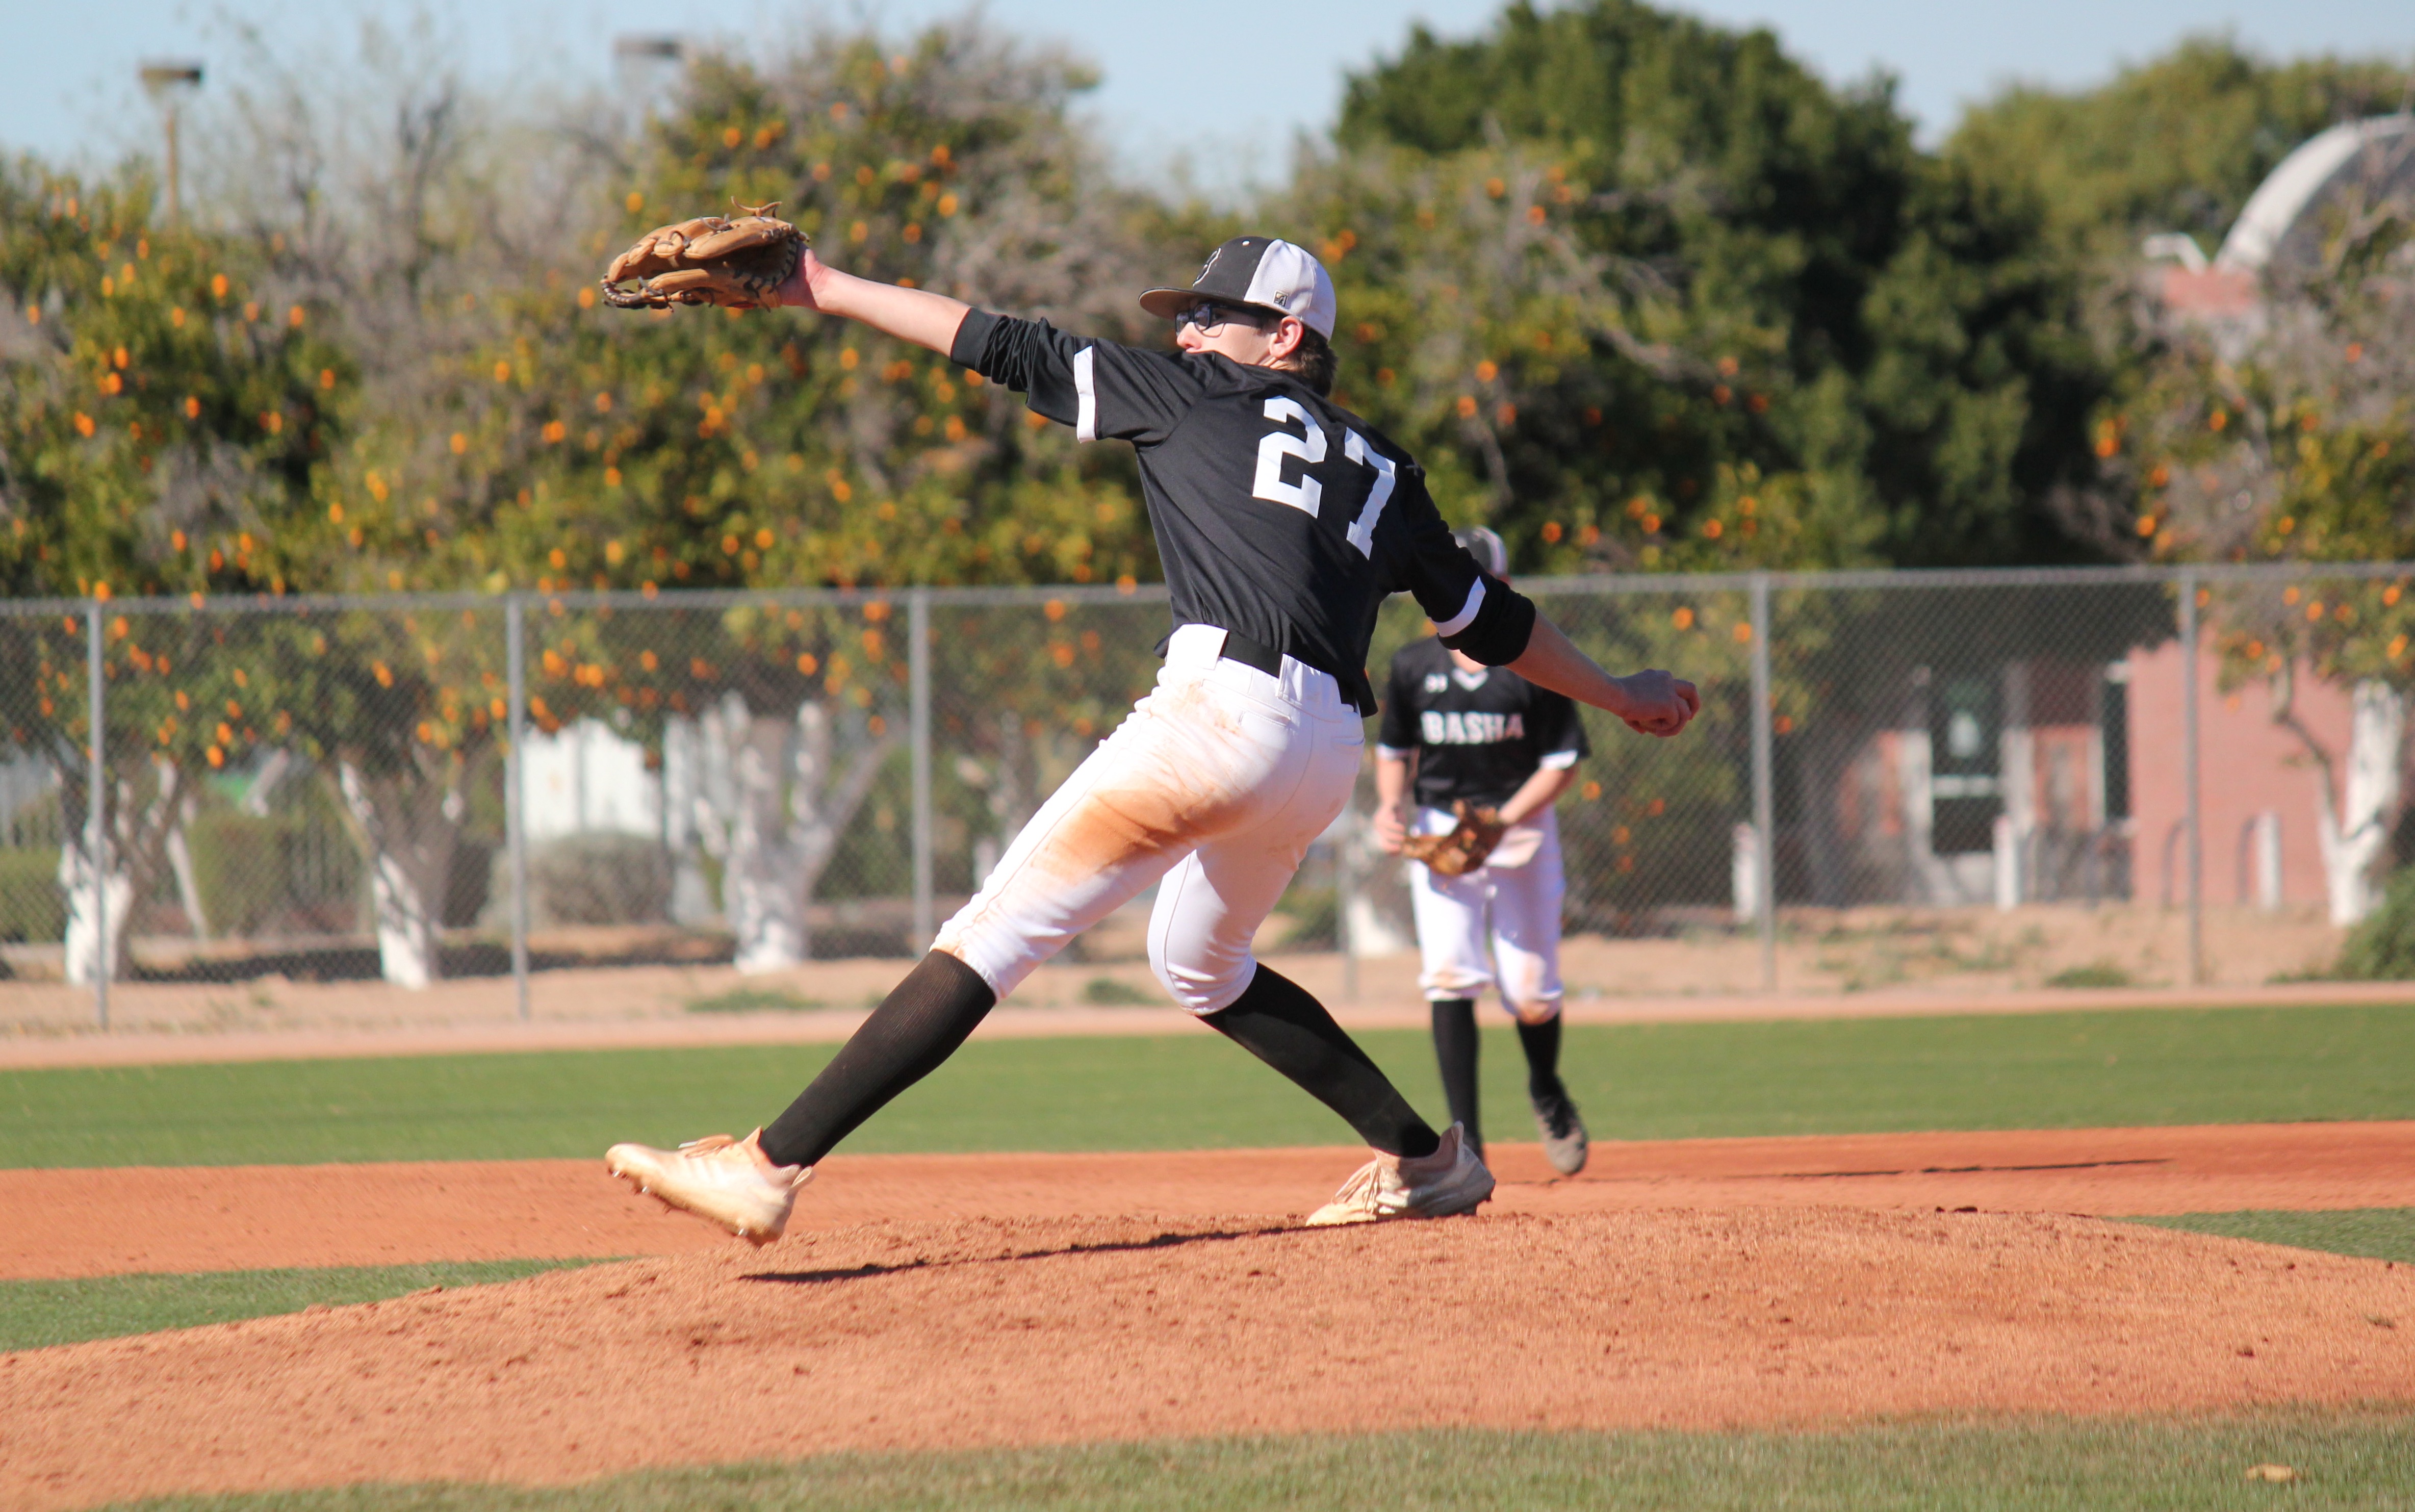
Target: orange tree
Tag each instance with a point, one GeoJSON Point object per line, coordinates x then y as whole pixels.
{"type": "Point", "coordinates": [703, 449]}
{"type": "Point", "coordinates": [164, 409]}
{"type": "Point", "coordinates": [2287, 439]}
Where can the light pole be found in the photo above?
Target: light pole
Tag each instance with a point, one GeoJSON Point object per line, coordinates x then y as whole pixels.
{"type": "Point", "coordinates": [167, 81]}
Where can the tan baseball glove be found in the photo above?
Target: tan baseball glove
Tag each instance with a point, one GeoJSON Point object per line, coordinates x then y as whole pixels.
{"type": "Point", "coordinates": [1461, 850]}
{"type": "Point", "coordinates": [712, 259]}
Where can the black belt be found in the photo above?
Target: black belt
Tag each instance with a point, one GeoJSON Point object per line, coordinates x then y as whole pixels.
{"type": "Point", "coordinates": [1250, 651]}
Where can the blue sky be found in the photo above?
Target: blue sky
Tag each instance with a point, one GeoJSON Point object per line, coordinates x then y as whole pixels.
{"type": "Point", "coordinates": [67, 72]}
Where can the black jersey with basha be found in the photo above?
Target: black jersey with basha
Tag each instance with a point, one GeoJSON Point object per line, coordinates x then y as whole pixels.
{"type": "Point", "coordinates": [1476, 734]}
{"type": "Point", "coordinates": [1278, 515]}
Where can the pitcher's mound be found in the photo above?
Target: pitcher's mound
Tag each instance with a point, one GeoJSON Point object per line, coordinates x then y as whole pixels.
{"type": "Point", "coordinates": [979, 1333]}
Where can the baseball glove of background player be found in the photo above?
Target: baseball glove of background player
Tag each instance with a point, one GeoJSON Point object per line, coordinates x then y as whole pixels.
{"type": "Point", "coordinates": [1464, 848]}
{"type": "Point", "coordinates": [712, 259]}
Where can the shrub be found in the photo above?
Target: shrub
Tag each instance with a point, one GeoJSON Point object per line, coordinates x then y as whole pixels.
{"type": "Point", "coordinates": [599, 880]}
{"type": "Point", "coordinates": [31, 906]}
{"type": "Point", "coordinates": [239, 868]}
{"type": "Point", "coordinates": [2382, 949]}
{"type": "Point", "coordinates": [2094, 974]}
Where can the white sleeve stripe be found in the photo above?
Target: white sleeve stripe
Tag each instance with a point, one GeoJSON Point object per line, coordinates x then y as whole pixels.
{"type": "Point", "coordinates": [1085, 423]}
{"type": "Point", "coordinates": [1466, 615]}
{"type": "Point", "coordinates": [1558, 760]}
{"type": "Point", "coordinates": [1392, 753]}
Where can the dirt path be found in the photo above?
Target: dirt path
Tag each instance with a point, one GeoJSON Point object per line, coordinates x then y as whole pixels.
{"type": "Point", "coordinates": [971, 1333]}
{"type": "Point", "coordinates": [167, 1043]}
{"type": "Point", "coordinates": [1610, 981]}
{"type": "Point", "coordinates": [110, 1221]}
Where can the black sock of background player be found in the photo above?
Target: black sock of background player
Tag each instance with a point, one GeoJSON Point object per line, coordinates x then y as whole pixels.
{"type": "Point", "coordinates": [1278, 1021]}
{"type": "Point", "coordinates": [1542, 1043]}
{"type": "Point", "coordinates": [1456, 1044]}
{"type": "Point", "coordinates": [919, 1024]}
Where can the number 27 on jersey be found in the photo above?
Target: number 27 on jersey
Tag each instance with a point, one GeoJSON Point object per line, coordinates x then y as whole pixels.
{"type": "Point", "coordinates": [1308, 494]}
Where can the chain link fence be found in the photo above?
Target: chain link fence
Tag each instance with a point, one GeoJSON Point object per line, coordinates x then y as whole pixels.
{"type": "Point", "coordinates": [416, 788]}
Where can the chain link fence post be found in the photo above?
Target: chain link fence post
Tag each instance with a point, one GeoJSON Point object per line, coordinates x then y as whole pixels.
{"type": "Point", "coordinates": [514, 798]}
{"type": "Point", "coordinates": [918, 660]}
{"type": "Point", "coordinates": [1765, 802]}
{"type": "Point", "coordinates": [96, 810]}
{"type": "Point", "coordinates": [2194, 816]}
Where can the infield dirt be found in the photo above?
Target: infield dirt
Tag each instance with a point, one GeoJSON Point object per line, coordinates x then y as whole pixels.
{"type": "Point", "coordinates": [927, 1302]}
{"type": "Point", "coordinates": [976, 1332]}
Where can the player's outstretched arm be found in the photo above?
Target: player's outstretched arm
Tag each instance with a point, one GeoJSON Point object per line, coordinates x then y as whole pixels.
{"type": "Point", "coordinates": [1651, 703]}
{"type": "Point", "coordinates": [915, 315]}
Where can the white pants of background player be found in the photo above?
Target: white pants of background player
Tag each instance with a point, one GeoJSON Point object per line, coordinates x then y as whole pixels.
{"type": "Point", "coordinates": [1217, 783]}
{"type": "Point", "coordinates": [1513, 909]}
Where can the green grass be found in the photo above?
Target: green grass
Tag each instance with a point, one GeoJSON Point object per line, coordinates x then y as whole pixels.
{"type": "Point", "coordinates": [2374, 1233]}
{"type": "Point", "coordinates": [37, 1315]}
{"type": "Point", "coordinates": [1652, 1081]}
{"type": "Point", "coordinates": [2363, 1461]}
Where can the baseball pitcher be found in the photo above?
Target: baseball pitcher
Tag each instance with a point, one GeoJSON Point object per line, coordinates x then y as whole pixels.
{"type": "Point", "coordinates": [1283, 521]}
{"type": "Point", "coordinates": [1468, 764]}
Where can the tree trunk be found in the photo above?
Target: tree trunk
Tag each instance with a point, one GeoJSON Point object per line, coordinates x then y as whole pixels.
{"type": "Point", "coordinates": [132, 848]}
{"type": "Point", "coordinates": [82, 932]}
{"type": "Point", "coordinates": [410, 821]}
{"type": "Point", "coordinates": [2353, 826]}
{"type": "Point", "coordinates": [783, 806]}
{"type": "Point", "coordinates": [763, 886]}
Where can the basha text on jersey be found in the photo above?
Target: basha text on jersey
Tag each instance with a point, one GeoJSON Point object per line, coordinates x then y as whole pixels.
{"type": "Point", "coordinates": [1452, 729]}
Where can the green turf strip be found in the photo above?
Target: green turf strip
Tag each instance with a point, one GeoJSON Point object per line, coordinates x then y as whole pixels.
{"type": "Point", "coordinates": [2348, 1460]}
{"type": "Point", "coordinates": [37, 1315]}
{"type": "Point", "coordinates": [2374, 1233]}
{"type": "Point", "coordinates": [1653, 1080]}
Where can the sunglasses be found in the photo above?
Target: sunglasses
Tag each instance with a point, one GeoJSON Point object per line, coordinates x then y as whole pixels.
{"type": "Point", "coordinates": [1207, 315]}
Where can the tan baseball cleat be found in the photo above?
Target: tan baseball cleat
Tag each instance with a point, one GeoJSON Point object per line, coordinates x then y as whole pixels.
{"type": "Point", "coordinates": [1450, 1181]}
{"type": "Point", "coordinates": [719, 1179]}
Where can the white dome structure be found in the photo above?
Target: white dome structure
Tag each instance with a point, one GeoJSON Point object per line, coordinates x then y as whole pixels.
{"type": "Point", "coordinates": [2282, 222]}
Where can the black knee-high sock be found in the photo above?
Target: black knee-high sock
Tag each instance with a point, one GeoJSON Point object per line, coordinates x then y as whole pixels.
{"type": "Point", "coordinates": [1278, 1021]}
{"type": "Point", "coordinates": [1542, 1043]}
{"type": "Point", "coordinates": [1456, 1044]}
{"type": "Point", "coordinates": [919, 1024]}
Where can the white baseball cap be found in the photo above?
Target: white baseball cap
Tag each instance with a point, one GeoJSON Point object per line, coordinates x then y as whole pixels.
{"type": "Point", "coordinates": [1261, 273]}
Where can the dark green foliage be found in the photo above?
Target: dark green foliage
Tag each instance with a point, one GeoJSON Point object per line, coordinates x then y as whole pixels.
{"type": "Point", "coordinates": [2382, 948]}
{"type": "Point", "coordinates": [2176, 143]}
{"type": "Point", "coordinates": [1805, 293]}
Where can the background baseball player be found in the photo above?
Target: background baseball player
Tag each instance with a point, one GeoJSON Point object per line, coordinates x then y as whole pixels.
{"type": "Point", "coordinates": [1469, 750]}
{"type": "Point", "coordinates": [1282, 522]}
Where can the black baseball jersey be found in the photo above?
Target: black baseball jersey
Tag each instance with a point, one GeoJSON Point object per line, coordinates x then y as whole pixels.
{"type": "Point", "coordinates": [1476, 734]}
{"type": "Point", "coordinates": [1278, 515]}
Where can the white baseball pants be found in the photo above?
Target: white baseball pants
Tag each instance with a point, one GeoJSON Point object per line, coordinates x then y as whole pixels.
{"type": "Point", "coordinates": [1217, 781]}
{"type": "Point", "coordinates": [1513, 909]}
